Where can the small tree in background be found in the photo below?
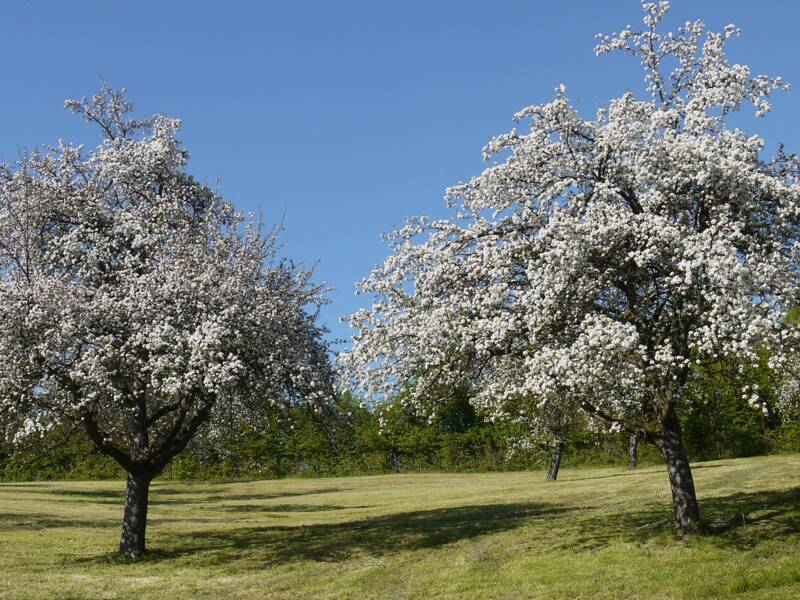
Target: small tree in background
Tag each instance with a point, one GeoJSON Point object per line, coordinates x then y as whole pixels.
{"type": "Point", "coordinates": [633, 449]}
{"type": "Point", "coordinates": [604, 256]}
{"type": "Point", "coordinates": [541, 423]}
{"type": "Point", "coordinates": [138, 304]}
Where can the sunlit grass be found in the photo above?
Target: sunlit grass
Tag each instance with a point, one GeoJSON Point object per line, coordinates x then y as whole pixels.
{"type": "Point", "coordinates": [601, 533]}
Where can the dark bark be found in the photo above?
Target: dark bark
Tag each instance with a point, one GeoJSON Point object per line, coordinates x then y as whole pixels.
{"type": "Point", "coordinates": [134, 521]}
{"type": "Point", "coordinates": [555, 461]}
{"type": "Point", "coordinates": [146, 460]}
{"type": "Point", "coordinates": [665, 434]}
{"type": "Point", "coordinates": [103, 442]}
{"type": "Point", "coordinates": [633, 450]}
{"type": "Point", "coordinates": [684, 498]}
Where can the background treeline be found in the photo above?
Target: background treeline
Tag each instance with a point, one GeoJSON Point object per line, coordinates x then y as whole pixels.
{"type": "Point", "coordinates": [392, 439]}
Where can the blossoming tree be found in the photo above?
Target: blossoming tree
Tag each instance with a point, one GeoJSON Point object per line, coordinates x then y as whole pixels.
{"type": "Point", "coordinates": [599, 259]}
{"type": "Point", "coordinates": [138, 304]}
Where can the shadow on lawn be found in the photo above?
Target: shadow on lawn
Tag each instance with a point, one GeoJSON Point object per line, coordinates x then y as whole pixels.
{"type": "Point", "coordinates": [157, 495]}
{"type": "Point", "coordinates": [116, 497]}
{"type": "Point", "coordinates": [23, 521]}
{"type": "Point", "coordinates": [254, 496]}
{"type": "Point", "coordinates": [272, 508]}
{"type": "Point", "coordinates": [376, 536]}
{"type": "Point", "coordinates": [647, 470]}
{"type": "Point", "coordinates": [741, 521]}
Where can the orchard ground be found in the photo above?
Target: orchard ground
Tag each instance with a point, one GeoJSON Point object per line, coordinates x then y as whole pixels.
{"type": "Point", "coordinates": [596, 533]}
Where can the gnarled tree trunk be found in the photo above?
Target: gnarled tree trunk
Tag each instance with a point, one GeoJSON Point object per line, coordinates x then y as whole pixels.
{"type": "Point", "coordinates": [555, 461]}
{"type": "Point", "coordinates": [670, 443]}
{"type": "Point", "coordinates": [134, 521]}
{"type": "Point", "coordinates": [684, 498]}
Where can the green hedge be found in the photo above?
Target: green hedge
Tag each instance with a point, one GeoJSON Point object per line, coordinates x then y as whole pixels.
{"type": "Point", "coordinates": [458, 439]}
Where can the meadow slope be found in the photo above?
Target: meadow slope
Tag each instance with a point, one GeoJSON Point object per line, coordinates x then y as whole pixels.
{"type": "Point", "coordinates": [600, 533]}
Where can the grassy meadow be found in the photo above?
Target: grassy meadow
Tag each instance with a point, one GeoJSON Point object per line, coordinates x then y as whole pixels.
{"type": "Point", "coordinates": [599, 533]}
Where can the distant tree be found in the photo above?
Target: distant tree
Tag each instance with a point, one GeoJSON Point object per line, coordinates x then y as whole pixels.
{"type": "Point", "coordinates": [541, 422]}
{"type": "Point", "coordinates": [602, 256]}
{"type": "Point", "coordinates": [633, 449]}
{"type": "Point", "coordinates": [137, 303]}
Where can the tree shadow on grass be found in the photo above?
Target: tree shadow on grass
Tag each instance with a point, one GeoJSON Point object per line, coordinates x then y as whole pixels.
{"type": "Point", "coordinates": [272, 496]}
{"type": "Point", "coordinates": [744, 519]}
{"type": "Point", "coordinates": [157, 495]}
{"type": "Point", "coordinates": [23, 521]}
{"type": "Point", "coordinates": [26, 485]}
{"type": "Point", "coordinates": [115, 497]}
{"type": "Point", "coordinates": [272, 508]}
{"type": "Point", "coordinates": [332, 542]}
{"type": "Point", "coordinates": [375, 536]}
{"type": "Point", "coordinates": [35, 521]}
{"type": "Point", "coordinates": [740, 521]}
{"type": "Point", "coordinates": [642, 470]}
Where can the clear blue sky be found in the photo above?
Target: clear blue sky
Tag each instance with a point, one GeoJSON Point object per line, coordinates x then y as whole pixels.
{"type": "Point", "coordinates": [346, 117]}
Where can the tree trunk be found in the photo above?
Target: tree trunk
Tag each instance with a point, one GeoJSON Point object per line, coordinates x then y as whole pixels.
{"type": "Point", "coordinates": [633, 450]}
{"type": "Point", "coordinates": [134, 521]}
{"type": "Point", "coordinates": [684, 499]}
{"type": "Point", "coordinates": [555, 462]}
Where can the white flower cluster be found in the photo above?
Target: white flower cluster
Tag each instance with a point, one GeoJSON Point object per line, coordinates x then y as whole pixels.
{"type": "Point", "coordinates": [602, 258]}
{"type": "Point", "coordinates": [788, 396]}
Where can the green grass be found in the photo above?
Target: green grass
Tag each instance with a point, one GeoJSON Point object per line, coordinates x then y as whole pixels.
{"type": "Point", "coordinates": [600, 533]}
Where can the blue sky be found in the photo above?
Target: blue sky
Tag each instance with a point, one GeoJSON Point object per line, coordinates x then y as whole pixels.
{"type": "Point", "coordinates": [343, 118]}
